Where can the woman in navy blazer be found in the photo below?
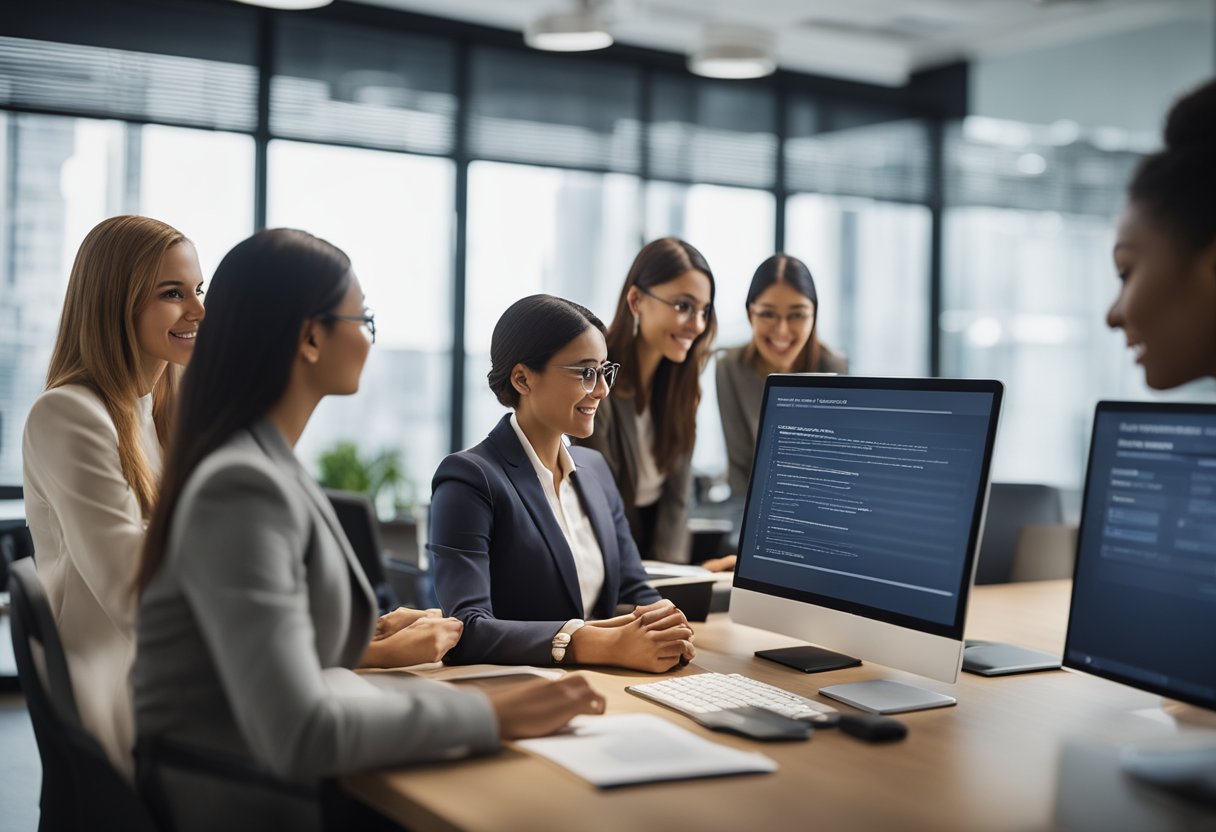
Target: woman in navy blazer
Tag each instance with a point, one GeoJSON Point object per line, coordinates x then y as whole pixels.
{"type": "Point", "coordinates": [529, 537]}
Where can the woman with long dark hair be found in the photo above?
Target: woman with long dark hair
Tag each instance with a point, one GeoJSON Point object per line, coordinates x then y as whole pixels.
{"type": "Point", "coordinates": [661, 335]}
{"type": "Point", "coordinates": [1165, 251]}
{"type": "Point", "coordinates": [92, 450]}
{"type": "Point", "coordinates": [783, 309]}
{"type": "Point", "coordinates": [531, 547]}
{"type": "Point", "coordinates": [253, 607]}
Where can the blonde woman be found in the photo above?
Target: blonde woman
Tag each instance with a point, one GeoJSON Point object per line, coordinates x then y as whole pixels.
{"type": "Point", "coordinates": [92, 450]}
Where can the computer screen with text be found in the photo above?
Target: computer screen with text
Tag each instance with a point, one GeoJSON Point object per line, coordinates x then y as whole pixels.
{"type": "Point", "coordinates": [867, 497]}
{"type": "Point", "coordinates": [1144, 592]}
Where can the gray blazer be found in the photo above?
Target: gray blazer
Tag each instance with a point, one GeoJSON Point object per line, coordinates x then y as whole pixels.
{"type": "Point", "coordinates": [616, 437]}
{"type": "Point", "coordinates": [246, 637]}
{"type": "Point", "coordinates": [740, 391]}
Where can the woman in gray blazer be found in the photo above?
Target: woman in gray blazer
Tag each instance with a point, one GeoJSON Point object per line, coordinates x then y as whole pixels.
{"type": "Point", "coordinates": [253, 607]}
{"type": "Point", "coordinates": [783, 309]}
{"type": "Point", "coordinates": [661, 336]}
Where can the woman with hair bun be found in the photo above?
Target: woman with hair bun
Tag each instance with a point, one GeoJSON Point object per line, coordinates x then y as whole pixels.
{"type": "Point", "coordinates": [1165, 251]}
{"type": "Point", "coordinates": [530, 543]}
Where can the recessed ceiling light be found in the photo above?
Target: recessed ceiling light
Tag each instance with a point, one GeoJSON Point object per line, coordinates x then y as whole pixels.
{"type": "Point", "coordinates": [577, 29]}
{"type": "Point", "coordinates": [734, 51]}
{"type": "Point", "coordinates": [287, 5]}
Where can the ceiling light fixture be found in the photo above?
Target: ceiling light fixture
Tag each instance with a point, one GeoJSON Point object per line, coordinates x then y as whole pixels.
{"type": "Point", "coordinates": [579, 28]}
{"type": "Point", "coordinates": [735, 51]}
{"type": "Point", "coordinates": [288, 5]}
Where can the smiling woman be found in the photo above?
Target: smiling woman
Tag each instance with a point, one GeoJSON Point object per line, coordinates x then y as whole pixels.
{"type": "Point", "coordinates": [783, 309]}
{"type": "Point", "coordinates": [92, 449]}
{"type": "Point", "coordinates": [661, 334]}
{"type": "Point", "coordinates": [529, 537]}
{"type": "Point", "coordinates": [1165, 253]}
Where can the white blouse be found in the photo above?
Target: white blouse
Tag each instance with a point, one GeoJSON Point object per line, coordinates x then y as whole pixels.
{"type": "Point", "coordinates": [650, 479]}
{"type": "Point", "coordinates": [574, 522]}
{"type": "Point", "coordinates": [88, 531]}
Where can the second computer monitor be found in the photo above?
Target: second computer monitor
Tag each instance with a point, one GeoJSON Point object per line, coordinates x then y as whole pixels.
{"type": "Point", "coordinates": [863, 515]}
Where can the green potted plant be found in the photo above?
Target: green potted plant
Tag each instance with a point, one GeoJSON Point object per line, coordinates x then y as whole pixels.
{"type": "Point", "coordinates": [381, 477]}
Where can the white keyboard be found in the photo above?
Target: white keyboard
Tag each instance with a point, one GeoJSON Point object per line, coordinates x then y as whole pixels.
{"type": "Point", "coordinates": [707, 693]}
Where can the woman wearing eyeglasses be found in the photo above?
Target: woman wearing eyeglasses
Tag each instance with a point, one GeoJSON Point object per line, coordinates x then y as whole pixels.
{"type": "Point", "coordinates": [253, 608]}
{"type": "Point", "coordinates": [661, 334]}
{"type": "Point", "coordinates": [530, 544]}
{"type": "Point", "coordinates": [782, 307]}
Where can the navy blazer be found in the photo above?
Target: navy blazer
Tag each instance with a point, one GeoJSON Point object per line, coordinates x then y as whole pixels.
{"type": "Point", "coordinates": [502, 564]}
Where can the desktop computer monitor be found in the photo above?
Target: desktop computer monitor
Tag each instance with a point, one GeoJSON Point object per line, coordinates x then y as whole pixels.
{"type": "Point", "coordinates": [1144, 588]}
{"type": "Point", "coordinates": [862, 522]}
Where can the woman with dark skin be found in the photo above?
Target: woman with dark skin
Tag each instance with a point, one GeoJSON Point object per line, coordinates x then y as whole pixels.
{"type": "Point", "coordinates": [1165, 251]}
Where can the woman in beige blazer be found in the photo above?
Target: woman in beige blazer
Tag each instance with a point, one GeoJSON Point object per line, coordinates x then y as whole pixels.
{"type": "Point", "coordinates": [253, 607]}
{"type": "Point", "coordinates": [92, 449]}
{"type": "Point", "coordinates": [661, 336]}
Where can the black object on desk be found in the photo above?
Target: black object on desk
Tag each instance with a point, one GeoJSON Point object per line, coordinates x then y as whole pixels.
{"type": "Point", "coordinates": [809, 659]}
{"type": "Point", "coordinates": [756, 723]}
{"type": "Point", "coordinates": [872, 727]}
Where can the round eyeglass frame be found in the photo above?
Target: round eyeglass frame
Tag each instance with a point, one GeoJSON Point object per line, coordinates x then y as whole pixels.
{"type": "Point", "coordinates": [590, 376]}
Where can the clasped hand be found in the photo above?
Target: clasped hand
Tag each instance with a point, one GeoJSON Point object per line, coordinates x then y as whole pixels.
{"type": "Point", "coordinates": [404, 637]}
{"type": "Point", "coordinates": [654, 637]}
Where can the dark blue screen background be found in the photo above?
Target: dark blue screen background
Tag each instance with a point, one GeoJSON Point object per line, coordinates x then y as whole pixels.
{"type": "Point", "coordinates": [867, 496]}
{"type": "Point", "coordinates": [1144, 595]}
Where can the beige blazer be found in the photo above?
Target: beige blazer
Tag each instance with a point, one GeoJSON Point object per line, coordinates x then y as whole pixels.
{"type": "Point", "coordinates": [88, 530]}
{"type": "Point", "coordinates": [246, 640]}
{"type": "Point", "coordinates": [616, 437]}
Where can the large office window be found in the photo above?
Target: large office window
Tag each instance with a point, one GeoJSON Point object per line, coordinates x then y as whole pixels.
{"type": "Point", "coordinates": [566, 233]}
{"type": "Point", "coordinates": [733, 228]}
{"type": "Point", "coordinates": [574, 161]}
{"type": "Point", "coordinates": [870, 261]}
{"type": "Point", "coordinates": [1028, 278]}
{"type": "Point", "coordinates": [67, 175]}
{"type": "Point", "coordinates": [392, 214]}
{"type": "Point", "coordinates": [350, 84]}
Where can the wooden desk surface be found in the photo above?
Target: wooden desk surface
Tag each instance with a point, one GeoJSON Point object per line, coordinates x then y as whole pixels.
{"type": "Point", "coordinates": [1004, 758]}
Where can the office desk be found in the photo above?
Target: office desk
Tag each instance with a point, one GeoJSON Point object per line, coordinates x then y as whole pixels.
{"type": "Point", "coordinates": [1035, 751]}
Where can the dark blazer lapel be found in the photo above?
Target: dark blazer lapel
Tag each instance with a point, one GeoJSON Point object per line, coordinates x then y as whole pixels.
{"type": "Point", "coordinates": [600, 514]}
{"type": "Point", "coordinates": [523, 476]}
{"type": "Point", "coordinates": [272, 442]}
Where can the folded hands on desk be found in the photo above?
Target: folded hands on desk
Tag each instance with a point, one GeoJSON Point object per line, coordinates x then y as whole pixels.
{"type": "Point", "coordinates": [653, 637]}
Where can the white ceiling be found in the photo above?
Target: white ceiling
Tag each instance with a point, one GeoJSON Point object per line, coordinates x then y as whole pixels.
{"type": "Point", "coordinates": [878, 41]}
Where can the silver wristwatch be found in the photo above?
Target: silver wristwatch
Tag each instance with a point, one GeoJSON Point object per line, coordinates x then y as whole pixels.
{"type": "Point", "coordinates": [561, 640]}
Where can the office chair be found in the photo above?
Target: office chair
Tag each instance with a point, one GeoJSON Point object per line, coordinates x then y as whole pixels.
{"type": "Point", "coordinates": [1012, 506]}
{"type": "Point", "coordinates": [359, 522]}
{"type": "Point", "coordinates": [80, 788]}
{"type": "Point", "coordinates": [15, 540]}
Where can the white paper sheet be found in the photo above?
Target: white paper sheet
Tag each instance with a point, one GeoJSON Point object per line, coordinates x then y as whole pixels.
{"type": "Point", "coordinates": [622, 749]}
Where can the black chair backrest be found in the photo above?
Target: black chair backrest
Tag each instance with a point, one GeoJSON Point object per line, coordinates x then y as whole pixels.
{"type": "Point", "coordinates": [1010, 507]}
{"type": "Point", "coordinates": [358, 520]}
{"type": "Point", "coordinates": [80, 788]}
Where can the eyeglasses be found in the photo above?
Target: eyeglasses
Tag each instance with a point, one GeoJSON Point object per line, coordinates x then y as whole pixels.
{"type": "Point", "coordinates": [590, 376]}
{"type": "Point", "coordinates": [368, 319]}
{"type": "Point", "coordinates": [684, 309]}
{"type": "Point", "coordinates": [771, 317]}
